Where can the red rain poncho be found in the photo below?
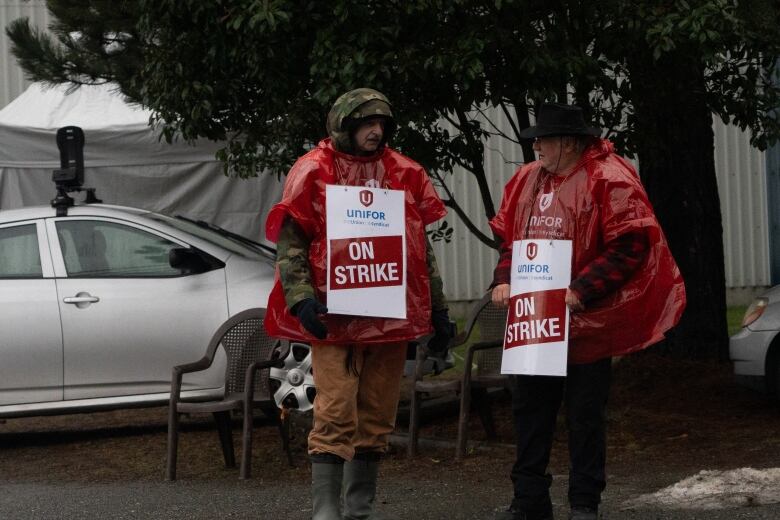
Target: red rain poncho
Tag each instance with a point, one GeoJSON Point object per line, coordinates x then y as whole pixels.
{"type": "Point", "coordinates": [304, 201]}
{"type": "Point", "coordinates": [600, 200]}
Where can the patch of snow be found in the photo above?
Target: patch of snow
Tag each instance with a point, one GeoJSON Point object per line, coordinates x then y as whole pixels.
{"type": "Point", "coordinates": [710, 489]}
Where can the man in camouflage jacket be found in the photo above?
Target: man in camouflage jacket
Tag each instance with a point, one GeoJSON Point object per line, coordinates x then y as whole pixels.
{"type": "Point", "coordinates": [357, 361]}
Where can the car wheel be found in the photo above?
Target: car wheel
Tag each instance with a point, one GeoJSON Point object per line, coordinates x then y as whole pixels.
{"type": "Point", "coordinates": [293, 385]}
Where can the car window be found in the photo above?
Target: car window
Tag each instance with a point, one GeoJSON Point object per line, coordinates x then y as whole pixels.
{"type": "Point", "coordinates": [208, 235]}
{"type": "Point", "coordinates": [19, 253]}
{"type": "Point", "coordinates": [100, 249]}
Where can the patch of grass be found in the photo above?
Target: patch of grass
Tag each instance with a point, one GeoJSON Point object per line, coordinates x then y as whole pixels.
{"type": "Point", "coordinates": [460, 352]}
{"type": "Point", "coordinates": [734, 317]}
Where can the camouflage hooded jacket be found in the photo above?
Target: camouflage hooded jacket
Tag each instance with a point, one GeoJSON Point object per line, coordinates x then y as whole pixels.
{"type": "Point", "coordinates": [295, 233]}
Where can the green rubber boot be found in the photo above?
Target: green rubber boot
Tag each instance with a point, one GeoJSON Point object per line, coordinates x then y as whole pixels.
{"type": "Point", "coordinates": [360, 486]}
{"type": "Point", "coordinates": [326, 480]}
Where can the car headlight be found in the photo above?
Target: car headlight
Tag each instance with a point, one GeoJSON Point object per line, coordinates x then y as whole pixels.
{"type": "Point", "coordinates": [755, 311]}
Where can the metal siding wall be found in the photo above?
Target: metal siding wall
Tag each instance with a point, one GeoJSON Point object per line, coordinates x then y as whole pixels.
{"type": "Point", "coordinates": [741, 174]}
{"type": "Point", "coordinates": [12, 80]}
{"type": "Point", "coordinates": [466, 263]}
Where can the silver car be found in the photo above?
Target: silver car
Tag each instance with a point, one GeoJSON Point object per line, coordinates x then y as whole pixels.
{"type": "Point", "coordinates": [755, 349]}
{"type": "Point", "coordinates": [96, 307]}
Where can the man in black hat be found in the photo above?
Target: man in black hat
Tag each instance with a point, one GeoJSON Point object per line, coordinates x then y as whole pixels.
{"type": "Point", "coordinates": [625, 292]}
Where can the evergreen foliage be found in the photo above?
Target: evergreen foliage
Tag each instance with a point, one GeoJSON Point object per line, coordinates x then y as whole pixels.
{"type": "Point", "coordinates": [261, 75]}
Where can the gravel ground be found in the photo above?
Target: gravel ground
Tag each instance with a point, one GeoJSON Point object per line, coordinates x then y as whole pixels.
{"type": "Point", "coordinates": [450, 495]}
{"type": "Point", "coordinates": [110, 466]}
{"type": "Point", "coordinates": [668, 421]}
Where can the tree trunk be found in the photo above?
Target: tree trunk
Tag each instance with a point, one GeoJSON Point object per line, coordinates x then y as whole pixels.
{"type": "Point", "coordinates": [677, 166]}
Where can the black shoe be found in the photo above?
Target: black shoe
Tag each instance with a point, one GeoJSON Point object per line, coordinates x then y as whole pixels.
{"type": "Point", "coordinates": [583, 513]}
{"type": "Point", "coordinates": [517, 514]}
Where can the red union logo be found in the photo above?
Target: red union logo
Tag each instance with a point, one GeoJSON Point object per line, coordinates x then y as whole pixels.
{"type": "Point", "coordinates": [366, 198]}
{"type": "Point", "coordinates": [530, 250]}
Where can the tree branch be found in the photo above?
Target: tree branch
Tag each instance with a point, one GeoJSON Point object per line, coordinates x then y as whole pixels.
{"type": "Point", "coordinates": [450, 202]}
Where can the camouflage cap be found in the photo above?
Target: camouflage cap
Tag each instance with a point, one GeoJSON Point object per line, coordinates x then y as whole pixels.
{"type": "Point", "coordinates": [352, 107]}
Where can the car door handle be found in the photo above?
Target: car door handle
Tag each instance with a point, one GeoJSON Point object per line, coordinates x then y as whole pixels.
{"type": "Point", "coordinates": [81, 299]}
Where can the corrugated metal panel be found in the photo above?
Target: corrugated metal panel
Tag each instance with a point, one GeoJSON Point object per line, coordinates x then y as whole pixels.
{"type": "Point", "coordinates": [741, 172]}
{"type": "Point", "coordinates": [466, 263]}
{"type": "Point", "coordinates": [12, 81]}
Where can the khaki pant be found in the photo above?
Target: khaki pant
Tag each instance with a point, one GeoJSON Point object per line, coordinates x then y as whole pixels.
{"type": "Point", "coordinates": [355, 412]}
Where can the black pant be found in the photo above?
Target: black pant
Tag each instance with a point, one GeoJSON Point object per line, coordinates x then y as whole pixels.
{"type": "Point", "coordinates": [535, 404]}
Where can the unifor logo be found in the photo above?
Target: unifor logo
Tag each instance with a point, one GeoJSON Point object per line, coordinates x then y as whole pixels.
{"type": "Point", "coordinates": [545, 200]}
{"type": "Point", "coordinates": [366, 198]}
{"type": "Point", "coordinates": [531, 249]}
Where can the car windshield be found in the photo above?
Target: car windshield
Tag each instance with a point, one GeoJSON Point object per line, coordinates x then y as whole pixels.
{"type": "Point", "coordinates": [231, 241]}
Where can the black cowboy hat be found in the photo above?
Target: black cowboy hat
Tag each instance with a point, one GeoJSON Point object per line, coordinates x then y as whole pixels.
{"type": "Point", "coordinates": [558, 119]}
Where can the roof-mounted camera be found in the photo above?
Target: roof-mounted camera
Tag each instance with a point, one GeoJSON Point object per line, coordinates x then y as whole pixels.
{"type": "Point", "coordinates": [70, 176]}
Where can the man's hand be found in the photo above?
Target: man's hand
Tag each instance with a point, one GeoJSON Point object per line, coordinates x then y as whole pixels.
{"type": "Point", "coordinates": [501, 295]}
{"type": "Point", "coordinates": [306, 311]}
{"type": "Point", "coordinates": [573, 301]}
{"type": "Point", "coordinates": [443, 332]}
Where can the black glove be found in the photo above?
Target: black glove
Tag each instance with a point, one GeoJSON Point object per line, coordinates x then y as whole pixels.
{"type": "Point", "coordinates": [306, 311]}
{"type": "Point", "coordinates": [443, 332]}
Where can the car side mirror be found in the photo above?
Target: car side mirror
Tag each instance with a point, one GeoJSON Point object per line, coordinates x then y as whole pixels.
{"type": "Point", "coordinates": [188, 260]}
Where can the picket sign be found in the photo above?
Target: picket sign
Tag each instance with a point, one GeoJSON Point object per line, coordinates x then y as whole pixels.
{"type": "Point", "coordinates": [366, 230]}
{"type": "Point", "coordinates": [537, 330]}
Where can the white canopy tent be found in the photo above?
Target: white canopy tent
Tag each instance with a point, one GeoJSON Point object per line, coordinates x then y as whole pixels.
{"type": "Point", "coordinates": [123, 159]}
